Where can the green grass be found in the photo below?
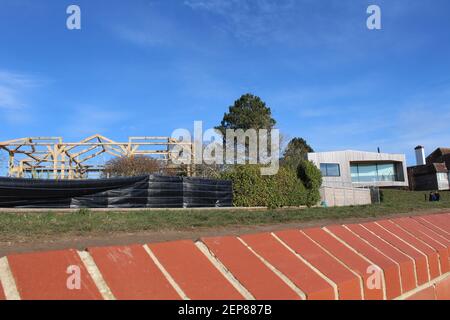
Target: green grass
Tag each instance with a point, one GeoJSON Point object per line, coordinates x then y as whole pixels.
{"type": "Point", "coordinates": [85, 222]}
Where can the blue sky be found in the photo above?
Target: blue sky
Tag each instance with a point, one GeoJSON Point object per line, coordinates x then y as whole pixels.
{"type": "Point", "coordinates": [145, 67]}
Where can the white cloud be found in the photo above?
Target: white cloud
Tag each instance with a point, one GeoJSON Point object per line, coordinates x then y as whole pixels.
{"type": "Point", "coordinates": [150, 27]}
{"type": "Point", "coordinates": [9, 98]}
{"type": "Point", "coordinates": [219, 6]}
{"type": "Point", "coordinates": [87, 119]}
{"type": "Point", "coordinates": [226, 6]}
{"type": "Point", "coordinates": [15, 96]}
{"type": "Point", "coordinates": [147, 31]}
{"type": "Point", "coordinates": [138, 37]}
{"type": "Point", "coordinates": [13, 89]}
{"type": "Point", "coordinates": [256, 21]}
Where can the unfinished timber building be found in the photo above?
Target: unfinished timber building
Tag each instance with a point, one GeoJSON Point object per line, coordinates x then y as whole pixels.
{"type": "Point", "coordinates": [51, 157]}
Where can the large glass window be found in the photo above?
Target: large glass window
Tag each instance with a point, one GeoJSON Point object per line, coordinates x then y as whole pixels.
{"type": "Point", "coordinates": [373, 172]}
{"type": "Point", "coordinates": [330, 170]}
{"type": "Point", "coordinates": [354, 172]}
{"type": "Point", "coordinates": [442, 176]}
{"type": "Point", "coordinates": [386, 172]}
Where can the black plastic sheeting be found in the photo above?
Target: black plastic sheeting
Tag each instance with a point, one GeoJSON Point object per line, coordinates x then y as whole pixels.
{"type": "Point", "coordinates": [135, 192]}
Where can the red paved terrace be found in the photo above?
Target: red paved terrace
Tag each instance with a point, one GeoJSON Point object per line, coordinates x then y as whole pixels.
{"type": "Point", "coordinates": [405, 258]}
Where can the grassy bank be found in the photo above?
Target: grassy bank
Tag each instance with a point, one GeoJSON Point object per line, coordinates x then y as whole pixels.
{"type": "Point", "coordinates": [85, 222]}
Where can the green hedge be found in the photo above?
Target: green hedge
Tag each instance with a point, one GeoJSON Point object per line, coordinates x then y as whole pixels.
{"type": "Point", "coordinates": [251, 189]}
{"type": "Point", "coordinates": [311, 177]}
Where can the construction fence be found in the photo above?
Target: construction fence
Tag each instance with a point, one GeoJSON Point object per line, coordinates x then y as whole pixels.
{"type": "Point", "coordinates": [150, 191]}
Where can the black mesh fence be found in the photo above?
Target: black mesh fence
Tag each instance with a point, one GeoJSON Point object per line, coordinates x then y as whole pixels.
{"type": "Point", "coordinates": [136, 192]}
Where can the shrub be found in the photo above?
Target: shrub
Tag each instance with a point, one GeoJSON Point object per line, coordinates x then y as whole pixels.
{"type": "Point", "coordinates": [251, 189]}
{"type": "Point", "coordinates": [288, 189]}
{"type": "Point", "coordinates": [247, 185]}
{"type": "Point", "coordinates": [132, 166]}
{"type": "Point", "coordinates": [309, 174]}
{"type": "Point", "coordinates": [208, 171]}
{"type": "Point", "coordinates": [311, 178]}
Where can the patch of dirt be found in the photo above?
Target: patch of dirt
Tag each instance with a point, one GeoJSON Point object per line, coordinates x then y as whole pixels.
{"type": "Point", "coordinates": [61, 242]}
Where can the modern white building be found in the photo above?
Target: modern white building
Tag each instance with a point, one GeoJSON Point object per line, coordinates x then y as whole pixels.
{"type": "Point", "coordinates": [361, 169]}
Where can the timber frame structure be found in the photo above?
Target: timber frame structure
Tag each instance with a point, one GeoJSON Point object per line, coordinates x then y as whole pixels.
{"type": "Point", "coordinates": [70, 160]}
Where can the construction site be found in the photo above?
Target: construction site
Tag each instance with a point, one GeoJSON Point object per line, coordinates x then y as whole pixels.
{"type": "Point", "coordinates": [54, 158]}
{"type": "Point", "coordinates": [224, 159]}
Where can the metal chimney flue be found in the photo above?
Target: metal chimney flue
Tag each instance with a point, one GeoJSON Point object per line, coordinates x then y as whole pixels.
{"type": "Point", "coordinates": [420, 155]}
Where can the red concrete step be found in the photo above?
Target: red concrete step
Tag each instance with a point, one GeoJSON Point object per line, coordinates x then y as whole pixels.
{"type": "Point", "coordinates": [407, 270]}
{"type": "Point", "coordinates": [435, 227]}
{"type": "Point", "coordinates": [430, 233]}
{"type": "Point", "coordinates": [427, 236]}
{"type": "Point", "coordinates": [249, 270]}
{"type": "Point", "coordinates": [131, 274]}
{"type": "Point", "coordinates": [420, 259]}
{"type": "Point", "coordinates": [425, 294]}
{"type": "Point", "coordinates": [313, 285]}
{"type": "Point", "coordinates": [2, 293]}
{"type": "Point", "coordinates": [443, 289]}
{"type": "Point", "coordinates": [321, 263]}
{"type": "Point", "coordinates": [348, 284]}
{"type": "Point", "coordinates": [350, 258]}
{"type": "Point", "coordinates": [44, 275]}
{"type": "Point", "coordinates": [443, 220]}
{"type": "Point", "coordinates": [390, 268]}
{"type": "Point", "coordinates": [193, 272]}
{"type": "Point", "coordinates": [432, 255]}
{"type": "Point", "coordinates": [439, 220]}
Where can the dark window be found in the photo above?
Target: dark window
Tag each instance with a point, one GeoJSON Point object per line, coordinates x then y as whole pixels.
{"type": "Point", "coordinates": [330, 169]}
